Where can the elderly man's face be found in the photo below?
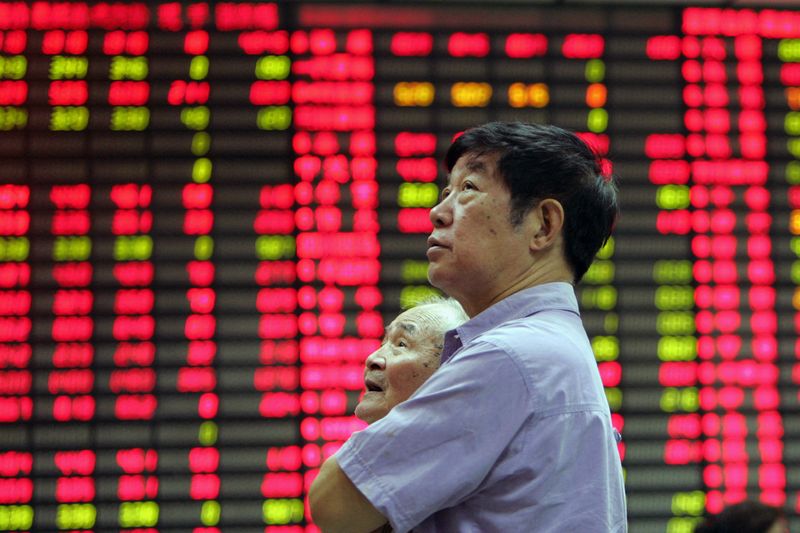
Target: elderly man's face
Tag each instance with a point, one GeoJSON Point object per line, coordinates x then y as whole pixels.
{"type": "Point", "coordinates": [408, 356]}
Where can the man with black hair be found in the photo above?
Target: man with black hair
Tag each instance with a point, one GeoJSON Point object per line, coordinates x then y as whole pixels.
{"type": "Point", "coordinates": [513, 432]}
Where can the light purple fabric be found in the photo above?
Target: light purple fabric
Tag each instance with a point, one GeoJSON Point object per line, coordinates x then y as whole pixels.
{"type": "Point", "coordinates": [512, 433]}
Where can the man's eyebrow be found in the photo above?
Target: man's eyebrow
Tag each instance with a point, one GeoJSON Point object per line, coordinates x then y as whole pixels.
{"type": "Point", "coordinates": [476, 164]}
{"type": "Point", "coordinates": [408, 327]}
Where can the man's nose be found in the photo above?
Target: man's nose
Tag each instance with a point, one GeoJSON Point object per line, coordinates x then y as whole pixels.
{"type": "Point", "coordinates": [376, 361]}
{"type": "Point", "coordinates": [441, 214]}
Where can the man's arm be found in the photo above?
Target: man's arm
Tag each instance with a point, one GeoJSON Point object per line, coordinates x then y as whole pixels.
{"type": "Point", "coordinates": [337, 505]}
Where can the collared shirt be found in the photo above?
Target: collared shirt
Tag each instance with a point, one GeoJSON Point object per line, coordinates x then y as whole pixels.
{"type": "Point", "coordinates": [512, 433]}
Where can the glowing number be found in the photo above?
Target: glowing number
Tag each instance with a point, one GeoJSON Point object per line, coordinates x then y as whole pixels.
{"type": "Point", "coordinates": [16, 517]}
{"type": "Point", "coordinates": [76, 516]}
{"type": "Point", "coordinates": [597, 121]}
{"type": "Point", "coordinates": [14, 248]}
{"type": "Point", "coordinates": [679, 399]}
{"type": "Point", "coordinates": [791, 124]}
{"type": "Point", "coordinates": [607, 251]}
{"type": "Point", "coordinates": [603, 297]}
{"type": "Point", "coordinates": [274, 118]}
{"type": "Point", "coordinates": [210, 513]}
{"type": "Point", "coordinates": [677, 348]}
{"type": "Point", "coordinates": [682, 525]}
{"type": "Point", "coordinates": [533, 95]}
{"type": "Point", "coordinates": [794, 222]}
{"type": "Point", "coordinates": [201, 170]}
{"type": "Point", "coordinates": [672, 197]}
{"type": "Point", "coordinates": [614, 397]}
{"type": "Point", "coordinates": [69, 118]}
{"type": "Point", "coordinates": [675, 323]}
{"type": "Point", "coordinates": [414, 271]}
{"type": "Point", "coordinates": [288, 511]}
{"type": "Point", "coordinates": [201, 142]}
{"type": "Point", "coordinates": [133, 248]}
{"type": "Point", "coordinates": [793, 172]}
{"type": "Point", "coordinates": [691, 503]}
{"type": "Point", "coordinates": [789, 50]}
{"type": "Point", "coordinates": [793, 146]}
{"type": "Point", "coordinates": [413, 93]}
{"type": "Point", "coordinates": [599, 273]}
{"type": "Point", "coordinates": [68, 67]}
{"type": "Point", "coordinates": [273, 68]}
{"type": "Point", "coordinates": [605, 347]}
{"type": "Point", "coordinates": [195, 118]}
{"type": "Point", "coordinates": [207, 435]}
{"type": "Point", "coordinates": [128, 68]}
{"type": "Point", "coordinates": [72, 248]}
{"type": "Point", "coordinates": [12, 117]}
{"type": "Point", "coordinates": [674, 297]}
{"type": "Point", "coordinates": [273, 247]}
{"type": "Point", "coordinates": [411, 295]}
{"type": "Point", "coordinates": [198, 68]}
{"type": "Point", "coordinates": [795, 272]}
{"type": "Point", "coordinates": [13, 68]}
{"type": "Point", "coordinates": [203, 248]}
{"type": "Point", "coordinates": [666, 271]}
{"type": "Point", "coordinates": [470, 94]}
{"type": "Point", "coordinates": [138, 514]}
{"type": "Point", "coordinates": [129, 118]}
{"type": "Point", "coordinates": [417, 194]}
{"type": "Point", "coordinates": [595, 70]}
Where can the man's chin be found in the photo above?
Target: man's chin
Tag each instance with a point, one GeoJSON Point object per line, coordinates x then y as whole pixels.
{"type": "Point", "coordinates": [369, 413]}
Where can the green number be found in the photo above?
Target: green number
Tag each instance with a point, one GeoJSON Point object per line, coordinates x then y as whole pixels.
{"type": "Point", "coordinates": [605, 347]}
{"type": "Point", "coordinates": [672, 271]}
{"type": "Point", "coordinates": [282, 511]}
{"type": "Point", "coordinates": [16, 517]}
{"type": "Point", "coordinates": [69, 118]}
{"type": "Point", "coordinates": [138, 514]}
{"type": "Point", "coordinates": [13, 117]}
{"type": "Point", "coordinates": [603, 297]}
{"type": "Point", "coordinates": [674, 297]}
{"type": "Point", "coordinates": [689, 503]}
{"type": "Point", "coordinates": [273, 68]}
{"type": "Point", "coordinates": [274, 118]}
{"type": "Point", "coordinates": [210, 513]}
{"type": "Point", "coordinates": [208, 432]}
{"type": "Point", "coordinates": [597, 121]}
{"type": "Point", "coordinates": [595, 70]}
{"type": "Point", "coordinates": [133, 248]}
{"type": "Point", "coordinates": [14, 248]}
{"type": "Point", "coordinates": [672, 197]}
{"type": "Point", "coordinates": [607, 251]}
{"type": "Point", "coordinates": [411, 295]}
{"type": "Point", "coordinates": [68, 67]}
{"type": "Point", "coordinates": [412, 271]}
{"type": "Point", "coordinates": [129, 118]}
{"type": "Point", "coordinates": [600, 272]}
{"type": "Point", "coordinates": [198, 68]}
{"type": "Point", "coordinates": [201, 142]}
{"type": "Point", "coordinates": [273, 247]}
{"type": "Point", "coordinates": [72, 248]}
{"type": "Point", "coordinates": [417, 194]}
{"type": "Point", "coordinates": [13, 67]}
{"type": "Point", "coordinates": [76, 516]}
{"type": "Point", "coordinates": [201, 170]}
{"type": "Point", "coordinates": [789, 50]}
{"type": "Point", "coordinates": [128, 68]}
{"type": "Point", "coordinates": [675, 323]}
{"type": "Point", "coordinates": [677, 348]}
{"type": "Point", "coordinates": [203, 247]}
{"type": "Point", "coordinates": [195, 118]}
{"type": "Point", "coordinates": [614, 397]}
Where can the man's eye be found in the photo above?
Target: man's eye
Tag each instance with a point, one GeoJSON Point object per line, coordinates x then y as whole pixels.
{"type": "Point", "coordinates": [468, 185]}
{"type": "Point", "coordinates": [402, 344]}
{"type": "Point", "coordinates": [444, 194]}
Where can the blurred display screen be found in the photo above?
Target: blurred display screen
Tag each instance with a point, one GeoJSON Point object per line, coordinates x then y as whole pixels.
{"type": "Point", "coordinates": [209, 211]}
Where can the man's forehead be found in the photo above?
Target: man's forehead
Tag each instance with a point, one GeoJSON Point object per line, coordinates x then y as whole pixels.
{"type": "Point", "coordinates": [479, 163]}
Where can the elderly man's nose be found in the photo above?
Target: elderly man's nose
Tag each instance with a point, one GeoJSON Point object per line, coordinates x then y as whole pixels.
{"type": "Point", "coordinates": [376, 361]}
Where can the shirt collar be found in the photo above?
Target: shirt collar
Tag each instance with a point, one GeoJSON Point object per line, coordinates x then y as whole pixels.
{"type": "Point", "coordinates": [549, 296]}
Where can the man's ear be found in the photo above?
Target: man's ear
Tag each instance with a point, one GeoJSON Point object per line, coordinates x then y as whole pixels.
{"type": "Point", "coordinates": [548, 220]}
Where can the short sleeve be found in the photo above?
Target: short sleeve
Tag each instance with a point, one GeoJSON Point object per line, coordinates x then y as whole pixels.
{"type": "Point", "coordinates": [434, 450]}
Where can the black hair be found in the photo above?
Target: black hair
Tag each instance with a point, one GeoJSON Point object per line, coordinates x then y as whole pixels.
{"type": "Point", "coordinates": [745, 517]}
{"type": "Point", "coordinates": [543, 161]}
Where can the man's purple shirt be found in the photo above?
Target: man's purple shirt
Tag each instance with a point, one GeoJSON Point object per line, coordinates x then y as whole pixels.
{"type": "Point", "coordinates": [512, 433]}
